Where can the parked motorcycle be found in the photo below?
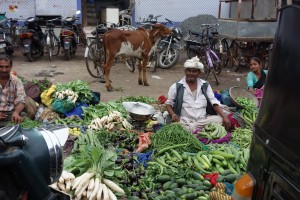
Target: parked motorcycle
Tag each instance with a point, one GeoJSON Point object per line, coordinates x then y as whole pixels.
{"type": "Point", "coordinates": [69, 35]}
{"type": "Point", "coordinates": [168, 48]}
{"type": "Point", "coordinates": [6, 45]}
{"type": "Point", "coordinates": [32, 39]}
{"type": "Point", "coordinates": [30, 160]}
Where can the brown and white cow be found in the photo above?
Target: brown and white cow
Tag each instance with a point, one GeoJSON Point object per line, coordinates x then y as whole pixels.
{"type": "Point", "coordinates": [138, 43]}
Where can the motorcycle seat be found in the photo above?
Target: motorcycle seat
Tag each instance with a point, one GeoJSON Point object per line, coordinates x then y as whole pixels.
{"type": "Point", "coordinates": [3, 23]}
{"type": "Point", "coordinates": [101, 30]}
{"type": "Point", "coordinates": [198, 34]}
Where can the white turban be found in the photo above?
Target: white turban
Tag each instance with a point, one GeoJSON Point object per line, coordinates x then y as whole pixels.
{"type": "Point", "coordinates": [193, 63]}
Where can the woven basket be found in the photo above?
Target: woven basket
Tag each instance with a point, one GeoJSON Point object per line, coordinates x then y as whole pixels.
{"type": "Point", "coordinates": [236, 92]}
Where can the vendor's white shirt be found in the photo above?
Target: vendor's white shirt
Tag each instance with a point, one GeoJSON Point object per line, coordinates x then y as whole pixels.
{"type": "Point", "coordinates": [193, 109]}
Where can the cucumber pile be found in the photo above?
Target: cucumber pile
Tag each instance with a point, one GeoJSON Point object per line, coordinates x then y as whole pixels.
{"type": "Point", "coordinates": [212, 131]}
{"type": "Point", "coordinates": [194, 186]}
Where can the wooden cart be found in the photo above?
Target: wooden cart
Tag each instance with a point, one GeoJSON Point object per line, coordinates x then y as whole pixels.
{"type": "Point", "coordinates": [248, 32]}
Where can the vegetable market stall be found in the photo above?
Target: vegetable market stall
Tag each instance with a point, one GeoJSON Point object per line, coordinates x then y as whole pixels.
{"type": "Point", "coordinates": [107, 158]}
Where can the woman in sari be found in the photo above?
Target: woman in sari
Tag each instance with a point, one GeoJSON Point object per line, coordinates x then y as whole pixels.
{"type": "Point", "coordinates": [256, 78]}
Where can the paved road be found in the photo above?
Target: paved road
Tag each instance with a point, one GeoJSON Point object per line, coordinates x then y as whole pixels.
{"type": "Point", "coordinates": [124, 82]}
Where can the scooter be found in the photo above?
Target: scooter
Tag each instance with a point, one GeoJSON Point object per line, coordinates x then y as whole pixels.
{"type": "Point", "coordinates": [69, 35]}
{"type": "Point", "coordinates": [32, 39]}
{"type": "Point", "coordinates": [30, 160]}
{"type": "Point", "coordinates": [6, 45]}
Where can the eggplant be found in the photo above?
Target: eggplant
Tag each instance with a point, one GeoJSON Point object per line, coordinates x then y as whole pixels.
{"type": "Point", "coordinates": [142, 172]}
{"type": "Point", "coordinates": [135, 165]}
{"type": "Point", "coordinates": [128, 166]}
{"type": "Point", "coordinates": [119, 161]}
{"type": "Point", "coordinates": [132, 177]}
{"type": "Point", "coordinates": [122, 137]}
{"type": "Point", "coordinates": [129, 147]}
{"type": "Point", "coordinates": [137, 194]}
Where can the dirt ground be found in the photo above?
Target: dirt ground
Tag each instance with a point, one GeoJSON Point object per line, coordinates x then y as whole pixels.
{"type": "Point", "coordinates": [124, 82]}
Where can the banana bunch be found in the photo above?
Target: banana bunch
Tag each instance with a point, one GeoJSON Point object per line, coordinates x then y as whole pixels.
{"type": "Point", "coordinates": [114, 119]}
{"type": "Point", "coordinates": [74, 131]}
{"type": "Point", "coordinates": [72, 96]}
{"type": "Point", "coordinates": [212, 131]}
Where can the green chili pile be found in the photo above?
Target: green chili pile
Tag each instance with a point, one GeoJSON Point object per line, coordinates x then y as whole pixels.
{"type": "Point", "coordinates": [174, 134]}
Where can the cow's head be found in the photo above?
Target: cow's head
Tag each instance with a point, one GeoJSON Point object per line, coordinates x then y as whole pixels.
{"type": "Point", "coordinates": [162, 30]}
{"type": "Point", "coordinates": [158, 31]}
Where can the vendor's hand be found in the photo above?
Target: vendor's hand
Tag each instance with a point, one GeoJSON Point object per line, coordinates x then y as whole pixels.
{"type": "Point", "coordinates": [175, 118]}
{"type": "Point", "coordinates": [226, 123]}
{"type": "Point", "coordinates": [16, 118]}
{"type": "Point", "coordinates": [2, 116]}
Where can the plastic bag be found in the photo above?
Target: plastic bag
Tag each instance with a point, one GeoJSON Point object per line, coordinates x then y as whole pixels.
{"type": "Point", "coordinates": [46, 96]}
{"type": "Point", "coordinates": [62, 105]}
{"type": "Point", "coordinates": [77, 110]}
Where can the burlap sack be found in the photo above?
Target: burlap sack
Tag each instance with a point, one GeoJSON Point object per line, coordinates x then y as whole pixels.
{"type": "Point", "coordinates": [30, 107]}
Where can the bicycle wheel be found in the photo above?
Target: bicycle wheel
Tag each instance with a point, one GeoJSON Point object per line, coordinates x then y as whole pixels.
{"type": "Point", "coordinates": [153, 63]}
{"type": "Point", "coordinates": [55, 45]}
{"type": "Point", "coordinates": [215, 75]}
{"type": "Point", "coordinates": [95, 59]}
{"type": "Point", "coordinates": [208, 70]}
{"type": "Point", "coordinates": [217, 65]}
{"type": "Point", "coordinates": [221, 48]}
{"type": "Point", "coordinates": [191, 52]}
{"type": "Point", "coordinates": [235, 56]}
{"type": "Point", "coordinates": [48, 46]}
{"type": "Point", "coordinates": [130, 63]}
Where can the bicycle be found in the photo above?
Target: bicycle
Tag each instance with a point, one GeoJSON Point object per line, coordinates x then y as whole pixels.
{"type": "Point", "coordinates": [52, 41]}
{"type": "Point", "coordinates": [94, 52]}
{"type": "Point", "coordinates": [205, 52]}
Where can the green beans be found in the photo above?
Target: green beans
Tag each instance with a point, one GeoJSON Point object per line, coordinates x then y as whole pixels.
{"type": "Point", "coordinates": [242, 137]}
{"type": "Point", "coordinates": [175, 134]}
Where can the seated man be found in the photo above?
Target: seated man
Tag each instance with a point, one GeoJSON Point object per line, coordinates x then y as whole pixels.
{"type": "Point", "coordinates": [12, 94]}
{"type": "Point", "coordinates": [189, 107]}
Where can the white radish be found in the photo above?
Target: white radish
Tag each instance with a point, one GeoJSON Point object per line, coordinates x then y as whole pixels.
{"type": "Point", "coordinates": [84, 193]}
{"type": "Point", "coordinates": [65, 175]}
{"type": "Point", "coordinates": [113, 186]}
{"type": "Point", "coordinates": [96, 188]}
{"type": "Point", "coordinates": [78, 179]}
{"type": "Point", "coordinates": [61, 186]}
{"type": "Point", "coordinates": [54, 185]}
{"type": "Point", "coordinates": [112, 196]}
{"type": "Point", "coordinates": [99, 192]}
{"type": "Point", "coordinates": [91, 184]}
{"type": "Point", "coordinates": [61, 179]}
{"type": "Point", "coordinates": [71, 176]}
{"type": "Point", "coordinates": [86, 179]}
{"type": "Point", "coordinates": [105, 192]}
{"type": "Point", "coordinates": [68, 185]}
{"type": "Point", "coordinates": [88, 193]}
{"type": "Point", "coordinates": [81, 189]}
